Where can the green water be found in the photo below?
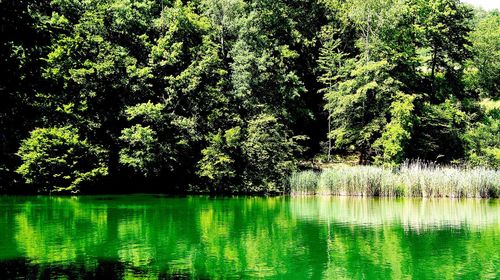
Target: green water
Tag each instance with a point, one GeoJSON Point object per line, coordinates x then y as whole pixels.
{"type": "Point", "coordinates": [145, 236]}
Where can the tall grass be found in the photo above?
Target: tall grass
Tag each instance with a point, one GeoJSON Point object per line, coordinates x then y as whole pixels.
{"type": "Point", "coordinates": [409, 180]}
{"type": "Point", "coordinates": [304, 182]}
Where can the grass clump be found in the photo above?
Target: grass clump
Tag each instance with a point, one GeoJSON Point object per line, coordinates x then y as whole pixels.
{"type": "Point", "coordinates": [409, 180]}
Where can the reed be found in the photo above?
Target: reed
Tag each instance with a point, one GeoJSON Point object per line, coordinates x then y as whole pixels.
{"type": "Point", "coordinates": [416, 179]}
{"type": "Point", "coordinates": [304, 182]}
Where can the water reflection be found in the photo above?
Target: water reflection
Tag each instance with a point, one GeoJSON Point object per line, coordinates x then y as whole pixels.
{"type": "Point", "coordinates": [120, 237]}
{"type": "Point", "coordinates": [412, 214]}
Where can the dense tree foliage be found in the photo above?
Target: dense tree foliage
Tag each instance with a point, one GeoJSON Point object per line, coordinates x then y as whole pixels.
{"type": "Point", "coordinates": [56, 159]}
{"type": "Point", "coordinates": [229, 95]}
{"type": "Point", "coordinates": [483, 75]}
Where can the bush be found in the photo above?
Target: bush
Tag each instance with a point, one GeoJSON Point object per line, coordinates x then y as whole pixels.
{"type": "Point", "coordinates": [57, 160]}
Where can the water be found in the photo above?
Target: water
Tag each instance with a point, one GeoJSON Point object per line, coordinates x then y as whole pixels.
{"type": "Point", "coordinates": [147, 236]}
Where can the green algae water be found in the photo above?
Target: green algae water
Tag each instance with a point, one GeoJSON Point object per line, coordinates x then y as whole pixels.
{"type": "Point", "coordinates": [197, 237]}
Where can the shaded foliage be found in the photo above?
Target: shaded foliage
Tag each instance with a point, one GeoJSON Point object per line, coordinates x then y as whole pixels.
{"type": "Point", "coordinates": [217, 95]}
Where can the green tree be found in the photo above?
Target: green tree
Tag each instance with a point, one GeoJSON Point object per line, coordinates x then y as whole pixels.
{"type": "Point", "coordinates": [22, 47]}
{"type": "Point", "coordinates": [262, 72]}
{"type": "Point", "coordinates": [155, 144]}
{"type": "Point", "coordinates": [225, 17]}
{"type": "Point", "coordinates": [57, 160]}
{"type": "Point", "coordinates": [186, 102]}
{"type": "Point", "coordinates": [220, 160]}
{"type": "Point", "coordinates": [442, 102]}
{"type": "Point", "coordinates": [372, 19]}
{"type": "Point", "coordinates": [330, 61]}
{"type": "Point", "coordinates": [215, 93]}
{"type": "Point", "coordinates": [442, 27]}
{"type": "Point", "coordinates": [364, 86]}
{"type": "Point", "coordinates": [392, 144]}
{"type": "Point", "coordinates": [268, 152]}
{"type": "Point", "coordinates": [359, 104]}
{"type": "Point", "coordinates": [482, 137]}
{"type": "Point", "coordinates": [439, 131]}
{"type": "Point", "coordinates": [483, 69]}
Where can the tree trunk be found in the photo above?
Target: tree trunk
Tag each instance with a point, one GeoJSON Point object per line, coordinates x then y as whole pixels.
{"type": "Point", "coordinates": [433, 68]}
{"type": "Point", "coordinates": [367, 39]}
{"type": "Point", "coordinates": [328, 136]}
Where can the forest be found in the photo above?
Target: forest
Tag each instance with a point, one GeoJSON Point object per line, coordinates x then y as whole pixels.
{"type": "Point", "coordinates": [233, 96]}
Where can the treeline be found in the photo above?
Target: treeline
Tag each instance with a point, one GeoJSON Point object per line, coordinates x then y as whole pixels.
{"type": "Point", "coordinates": [229, 95]}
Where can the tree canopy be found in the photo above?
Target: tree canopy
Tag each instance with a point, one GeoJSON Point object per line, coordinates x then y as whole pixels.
{"type": "Point", "coordinates": [230, 95]}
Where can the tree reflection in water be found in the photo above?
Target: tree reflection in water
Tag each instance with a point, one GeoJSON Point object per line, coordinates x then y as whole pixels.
{"type": "Point", "coordinates": [116, 237]}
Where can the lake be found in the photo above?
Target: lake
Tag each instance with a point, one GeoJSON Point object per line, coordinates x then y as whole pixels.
{"type": "Point", "coordinates": [151, 236]}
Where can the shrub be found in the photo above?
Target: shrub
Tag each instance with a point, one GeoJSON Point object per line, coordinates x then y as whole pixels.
{"type": "Point", "coordinates": [57, 160]}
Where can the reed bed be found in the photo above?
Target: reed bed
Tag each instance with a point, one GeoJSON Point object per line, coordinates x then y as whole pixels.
{"type": "Point", "coordinates": [409, 180]}
{"type": "Point", "coordinates": [304, 182]}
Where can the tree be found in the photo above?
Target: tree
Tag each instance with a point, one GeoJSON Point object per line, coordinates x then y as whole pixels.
{"type": "Point", "coordinates": [363, 84]}
{"type": "Point", "coordinates": [220, 160]}
{"type": "Point", "coordinates": [57, 160]}
{"type": "Point", "coordinates": [438, 131]}
{"type": "Point", "coordinates": [89, 60]}
{"type": "Point", "coordinates": [329, 63]}
{"type": "Point", "coordinates": [225, 16]}
{"type": "Point", "coordinates": [263, 78]}
{"type": "Point", "coordinates": [442, 27]}
{"type": "Point", "coordinates": [372, 19]}
{"type": "Point", "coordinates": [392, 144]}
{"type": "Point", "coordinates": [359, 104]}
{"type": "Point", "coordinates": [22, 47]}
{"type": "Point", "coordinates": [482, 139]}
{"type": "Point", "coordinates": [187, 100]}
{"type": "Point", "coordinates": [215, 94]}
{"type": "Point", "coordinates": [268, 153]}
{"type": "Point", "coordinates": [257, 159]}
{"type": "Point", "coordinates": [483, 69]}
{"type": "Point", "coordinates": [156, 143]}
{"type": "Point", "coordinates": [442, 102]}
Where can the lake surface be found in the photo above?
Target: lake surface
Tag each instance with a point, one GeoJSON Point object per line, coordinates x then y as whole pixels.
{"type": "Point", "coordinates": [148, 236]}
